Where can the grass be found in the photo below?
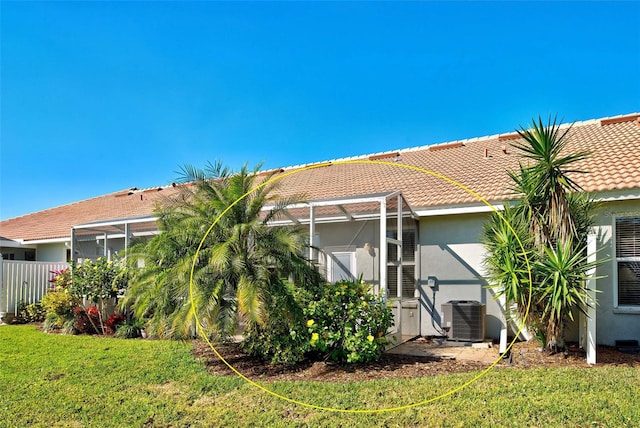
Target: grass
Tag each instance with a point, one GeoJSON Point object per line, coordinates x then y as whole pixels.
{"type": "Point", "coordinates": [55, 380]}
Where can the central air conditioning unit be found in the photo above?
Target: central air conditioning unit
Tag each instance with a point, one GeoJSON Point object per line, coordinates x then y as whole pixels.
{"type": "Point", "coordinates": [464, 320]}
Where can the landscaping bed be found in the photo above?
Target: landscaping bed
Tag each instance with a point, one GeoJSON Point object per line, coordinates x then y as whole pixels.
{"type": "Point", "coordinates": [393, 366]}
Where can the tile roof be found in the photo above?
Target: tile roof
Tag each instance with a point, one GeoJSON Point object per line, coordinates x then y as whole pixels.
{"type": "Point", "coordinates": [56, 222]}
{"type": "Point", "coordinates": [479, 163]}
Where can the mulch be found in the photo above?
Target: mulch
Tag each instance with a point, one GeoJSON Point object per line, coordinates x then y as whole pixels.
{"type": "Point", "coordinates": [392, 366]}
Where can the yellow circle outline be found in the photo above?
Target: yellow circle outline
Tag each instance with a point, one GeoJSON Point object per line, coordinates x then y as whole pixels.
{"type": "Point", "coordinates": [332, 409]}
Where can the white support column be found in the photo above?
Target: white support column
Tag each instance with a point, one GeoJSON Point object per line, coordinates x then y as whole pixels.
{"type": "Point", "coordinates": [505, 324]}
{"type": "Point", "coordinates": [383, 248]}
{"type": "Point", "coordinates": [312, 231]}
{"type": "Point", "coordinates": [3, 295]}
{"type": "Point", "coordinates": [399, 266]}
{"type": "Point", "coordinates": [127, 231]}
{"type": "Point", "coordinates": [399, 256]}
{"type": "Point", "coordinates": [73, 244]}
{"type": "Point", "coordinates": [591, 310]}
{"type": "Point", "coordinates": [106, 251]}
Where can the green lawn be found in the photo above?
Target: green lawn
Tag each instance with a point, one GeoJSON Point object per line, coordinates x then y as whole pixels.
{"type": "Point", "coordinates": [55, 380]}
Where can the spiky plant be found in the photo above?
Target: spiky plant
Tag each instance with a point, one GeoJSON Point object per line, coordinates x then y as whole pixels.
{"type": "Point", "coordinates": [552, 220]}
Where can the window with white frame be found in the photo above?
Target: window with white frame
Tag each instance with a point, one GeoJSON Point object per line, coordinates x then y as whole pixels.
{"type": "Point", "coordinates": [627, 232]}
{"type": "Point", "coordinates": [341, 266]}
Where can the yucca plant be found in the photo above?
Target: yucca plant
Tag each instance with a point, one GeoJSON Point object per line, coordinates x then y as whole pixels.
{"type": "Point", "coordinates": [563, 273]}
{"type": "Point", "coordinates": [551, 221]}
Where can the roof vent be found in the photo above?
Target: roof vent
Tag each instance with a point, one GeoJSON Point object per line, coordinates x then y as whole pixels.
{"type": "Point", "coordinates": [319, 165]}
{"type": "Point", "coordinates": [621, 119]}
{"type": "Point", "coordinates": [271, 171]}
{"type": "Point", "coordinates": [445, 146]}
{"type": "Point", "coordinates": [391, 156]}
{"type": "Point", "coordinates": [505, 137]}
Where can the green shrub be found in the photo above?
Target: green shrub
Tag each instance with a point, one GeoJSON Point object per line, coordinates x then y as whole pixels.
{"type": "Point", "coordinates": [130, 329]}
{"type": "Point", "coordinates": [33, 312]}
{"type": "Point", "coordinates": [52, 322]}
{"type": "Point", "coordinates": [347, 323]}
{"type": "Point", "coordinates": [283, 339]}
{"type": "Point", "coordinates": [60, 303]}
{"type": "Point", "coordinates": [343, 322]}
{"type": "Point", "coordinates": [59, 306]}
{"type": "Point", "coordinates": [99, 279]}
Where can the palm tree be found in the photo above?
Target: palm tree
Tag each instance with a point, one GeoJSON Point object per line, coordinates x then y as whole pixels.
{"type": "Point", "coordinates": [241, 263]}
{"type": "Point", "coordinates": [551, 223]}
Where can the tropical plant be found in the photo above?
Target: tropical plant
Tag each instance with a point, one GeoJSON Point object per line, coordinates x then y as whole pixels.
{"type": "Point", "coordinates": [62, 278]}
{"type": "Point", "coordinates": [87, 320]}
{"type": "Point", "coordinates": [283, 338]}
{"type": "Point", "coordinates": [536, 250]}
{"type": "Point", "coordinates": [33, 312]}
{"type": "Point", "coordinates": [96, 280]}
{"type": "Point", "coordinates": [131, 329]}
{"type": "Point", "coordinates": [114, 321]}
{"type": "Point", "coordinates": [60, 306]}
{"type": "Point", "coordinates": [241, 260]}
{"type": "Point", "coordinates": [347, 323]}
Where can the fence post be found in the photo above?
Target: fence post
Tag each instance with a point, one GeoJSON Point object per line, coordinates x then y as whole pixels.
{"type": "Point", "coordinates": [3, 292]}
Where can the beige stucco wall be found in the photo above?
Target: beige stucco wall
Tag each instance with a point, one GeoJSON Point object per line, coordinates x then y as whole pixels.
{"type": "Point", "coordinates": [451, 252]}
{"type": "Point", "coordinates": [612, 323]}
{"type": "Point", "coordinates": [54, 252]}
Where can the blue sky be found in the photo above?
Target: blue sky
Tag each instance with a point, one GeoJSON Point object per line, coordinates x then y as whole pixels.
{"type": "Point", "coordinates": [102, 96]}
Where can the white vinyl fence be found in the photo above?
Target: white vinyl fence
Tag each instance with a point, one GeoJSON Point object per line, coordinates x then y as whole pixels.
{"type": "Point", "coordinates": [23, 281]}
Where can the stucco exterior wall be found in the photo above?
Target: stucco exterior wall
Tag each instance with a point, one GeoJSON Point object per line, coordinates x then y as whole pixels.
{"type": "Point", "coordinates": [352, 237]}
{"type": "Point", "coordinates": [54, 252]}
{"type": "Point", "coordinates": [612, 323]}
{"type": "Point", "coordinates": [452, 254]}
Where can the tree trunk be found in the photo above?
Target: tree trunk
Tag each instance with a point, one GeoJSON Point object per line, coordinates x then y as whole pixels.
{"type": "Point", "coordinates": [555, 337]}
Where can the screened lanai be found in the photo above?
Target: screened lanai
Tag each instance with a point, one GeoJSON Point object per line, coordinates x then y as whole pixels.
{"type": "Point", "coordinates": [108, 238]}
{"type": "Point", "coordinates": [346, 235]}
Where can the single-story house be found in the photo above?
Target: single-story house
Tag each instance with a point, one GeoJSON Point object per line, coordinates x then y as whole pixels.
{"type": "Point", "coordinates": [424, 204]}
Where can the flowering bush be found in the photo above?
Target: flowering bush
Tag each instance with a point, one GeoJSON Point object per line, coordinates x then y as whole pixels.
{"type": "Point", "coordinates": [343, 322]}
{"type": "Point", "coordinates": [95, 281]}
{"type": "Point", "coordinates": [100, 279]}
{"type": "Point", "coordinates": [347, 323]}
{"type": "Point", "coordinates": [61, 279]}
